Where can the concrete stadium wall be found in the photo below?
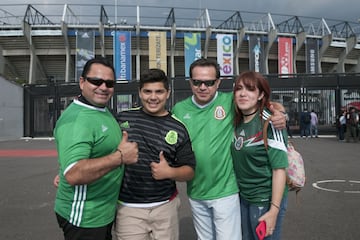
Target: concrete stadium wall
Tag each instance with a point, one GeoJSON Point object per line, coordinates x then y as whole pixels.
{"type": "Point", "coordinates": [11, 110]}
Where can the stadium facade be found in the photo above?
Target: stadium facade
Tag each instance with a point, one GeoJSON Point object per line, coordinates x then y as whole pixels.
{"type": "Point", "coordinates": [311, 63]}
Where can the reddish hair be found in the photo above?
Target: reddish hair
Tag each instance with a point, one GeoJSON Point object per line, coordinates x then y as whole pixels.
{"type": "Point", "coordinates": [252, 80]}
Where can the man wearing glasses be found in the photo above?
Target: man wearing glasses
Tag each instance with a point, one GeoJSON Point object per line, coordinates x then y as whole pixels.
{"type": "Point", "coordinates": [208, 116]}
{"type": "Point", "coordinates": [92, 152]}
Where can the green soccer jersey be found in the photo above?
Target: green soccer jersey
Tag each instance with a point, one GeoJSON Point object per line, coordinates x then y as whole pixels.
{"type": "Point", "coordinates": [211, 131]}
{"type": "Point", "coordinates": [85, 132]}
{"type": "Point", "coordinates": [253, 164]}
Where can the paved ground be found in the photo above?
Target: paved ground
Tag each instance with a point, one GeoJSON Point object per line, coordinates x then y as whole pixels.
{"type": "Point", "coordinates": [27, 194]}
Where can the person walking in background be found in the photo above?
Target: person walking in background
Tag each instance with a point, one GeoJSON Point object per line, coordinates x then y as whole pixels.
{"type": "Point", "coordinates": [92, 152]}
{"type": "Point", "coordinates": [208, 116]}
{"type": "Point", "coordinates": [260, 170]}
{"type": "Point", "coordinates": [305, 122]}
{"type": "Point", "coordinates": [314, 124]}
{"type": "Point", "coordinates": [352, 121]}
{"type": "Point", "coordinates": [148, 200]}
{"type": "Point", "coordinates": [342, 126]}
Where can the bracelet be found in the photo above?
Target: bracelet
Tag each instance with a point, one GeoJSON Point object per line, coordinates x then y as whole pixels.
{"type": "Point", "coordinates": [275, 205]}
{"type": "Point", "coordinates": [121, 155]}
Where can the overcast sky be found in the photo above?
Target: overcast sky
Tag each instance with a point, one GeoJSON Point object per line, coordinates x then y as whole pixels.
{"type": "Point", "coordinates": [348, 10]}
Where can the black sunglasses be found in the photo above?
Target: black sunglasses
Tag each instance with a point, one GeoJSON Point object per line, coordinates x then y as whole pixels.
{"type": "Point", "coordinates": [208, 83]}
{"type": "Point", "coordinates": [98, 81]}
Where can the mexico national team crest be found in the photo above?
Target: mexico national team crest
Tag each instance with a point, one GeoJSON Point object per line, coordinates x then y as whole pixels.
{"type": "Point", "coordinates": [239, 141]}
{"type": "Point", "coordinates": [171, 137]}
{"type": "Point", "coordinates": [219, 113]}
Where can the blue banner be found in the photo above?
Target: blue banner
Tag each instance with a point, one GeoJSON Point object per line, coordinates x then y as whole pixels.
{"type": "Point", "coordinates": [122, 55]}
{"type": "Point", "coordinates": [256, 53]}
{"type": "Point", "coordinates": [192, 48]}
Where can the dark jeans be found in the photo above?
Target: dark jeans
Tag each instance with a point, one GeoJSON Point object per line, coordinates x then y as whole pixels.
{"type": "Point", "coordinates": [72, 232]}
{"type": "Point", "coordinates": [305, 130]}
{"type": "Point", "coordinates": [342, 132]}
{"type": "Point", "coordinates": [351, 132]}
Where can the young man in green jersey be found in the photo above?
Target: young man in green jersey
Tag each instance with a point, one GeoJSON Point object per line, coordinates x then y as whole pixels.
{"type": "Point", "coordinates": [148, 200]}
{"type": "Point", "coordinates": [92, 151]}
{"type": "Point", "coordinates": [208, 116]}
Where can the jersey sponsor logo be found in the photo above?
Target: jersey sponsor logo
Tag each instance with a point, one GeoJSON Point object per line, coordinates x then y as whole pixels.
{"type": "Point", "coordinates": [171, 137]}
{"type": "Point", "coordinates": [242, 133]}
{"type": "Point", "coordinates": [125, 125]}
{"type": "Point", "coordinates": [104, 128]}
{"type": "Point", "coordinates": [187, 116]}
{"type": "Point", "coordinates": [219, 113]}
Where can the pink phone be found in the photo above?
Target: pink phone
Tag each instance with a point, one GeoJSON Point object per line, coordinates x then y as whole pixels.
{"type": "Point", "coordinates": [261, 230]}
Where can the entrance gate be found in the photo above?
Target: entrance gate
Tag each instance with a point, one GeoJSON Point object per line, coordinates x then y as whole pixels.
{"type": "Point", "coordinates": [327, 94]}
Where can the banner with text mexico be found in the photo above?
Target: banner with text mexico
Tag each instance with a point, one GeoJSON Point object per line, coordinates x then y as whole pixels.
{"type": "Point", "coordinates": [285, 55]}
{"type": "Point", "coordinates": [192, 48]}
{"type": "Point", "coordinates": [122, 55]}
{"type": "Point", "coordinates": [157, 50]}
{"type": "Point", "coordinates": [85, 50]}
{"type": "Point", "coordinates": [225, 54]}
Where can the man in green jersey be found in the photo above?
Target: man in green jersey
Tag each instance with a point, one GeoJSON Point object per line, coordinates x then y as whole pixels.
{"type": "Point", "coordinates": [92, 151]}
{"type": "Point", "coordinates": [208, 116]}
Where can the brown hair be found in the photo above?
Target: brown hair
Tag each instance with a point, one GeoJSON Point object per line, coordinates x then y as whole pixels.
{"type": "Point", "coordinates": [252, 80]}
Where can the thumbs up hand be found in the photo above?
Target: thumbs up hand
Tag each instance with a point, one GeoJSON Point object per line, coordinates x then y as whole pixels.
{"type": "Point", "coordinates": [161, 170]}
{"type": "Point", "coordinates": [129, 150]}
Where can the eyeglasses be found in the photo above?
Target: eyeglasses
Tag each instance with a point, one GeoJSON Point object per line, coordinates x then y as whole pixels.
{"type": "Point", "coordinates": [208, 83]}
{"type": "Point", "coordinates": [98, 81]}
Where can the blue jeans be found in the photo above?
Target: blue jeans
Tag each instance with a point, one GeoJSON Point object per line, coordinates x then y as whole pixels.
{"type": "Point", "coordinates": [313, 130]}
{"type": "Point", "coordinates": [217, 219]}
{"type": "Point", "coordinates": [250, 215]}
{"type": "Point", "coordinates": [342, 132]}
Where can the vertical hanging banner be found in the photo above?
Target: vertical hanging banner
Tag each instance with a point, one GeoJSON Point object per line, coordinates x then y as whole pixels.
{"type": "Point", "coordinates": [256, 56]}
{"type": "Point", "coordinates": [312, 55]}
{"type": "Point", "coordinates": [85, 50]}
{"type": "Point", "coordinates": [225, 54]}
{"type": "Point", "coordinates": [157, 50]}
{"type": "Point", "coordinates": [192, 48]}
{"type": "Point", "coordinates": [285, 55]}
{"type": "Point", "coordinates": [122, 55]}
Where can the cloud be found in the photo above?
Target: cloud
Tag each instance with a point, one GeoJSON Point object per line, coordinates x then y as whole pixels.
{"type": "Point", "coordinates": [328, 9]}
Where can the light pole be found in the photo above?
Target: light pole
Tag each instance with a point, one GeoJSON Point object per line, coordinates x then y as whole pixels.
{"type": "Point", "coordinates": [115, 11]}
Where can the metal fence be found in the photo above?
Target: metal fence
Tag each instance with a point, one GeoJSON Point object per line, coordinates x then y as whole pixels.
{"type": "Point", "coordinates": [326, 94]}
